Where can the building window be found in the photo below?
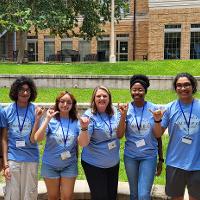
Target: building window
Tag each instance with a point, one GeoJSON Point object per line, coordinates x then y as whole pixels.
{"type": "Point", "coordinates": [66, 45]}
{"type": "Point", "coordinates": [126, 10]}
{"type": "Point", "coordinates": [2, 46]}
{"type": "Point", "coordinates": [172, 41]}
{"type": "Point", "coordinates": [84, 49]}
{"type": "Point", "coordinates": [103, 50]}
{"type": "Point", "coordinates": [195, 41]}
{"type": "Point", "coordinates": [49, 48]}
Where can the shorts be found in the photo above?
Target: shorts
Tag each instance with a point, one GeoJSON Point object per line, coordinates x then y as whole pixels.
{"type": "Point", "coordinates": [177, 179]}
{"type": "Point", "coordinates": [49, 171]}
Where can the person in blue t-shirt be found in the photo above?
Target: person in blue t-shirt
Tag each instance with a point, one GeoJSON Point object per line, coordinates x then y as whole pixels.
{"type": "Point", "coordinates": [100, 155]}
{"type": "Point", "coordinates": [182, 118]}
{"type": "Point", "coordinates": [1, 153]}
{"type": "Point", "coordinates": [59, 162]}
{"type": "Point", "coordinates": [141, 146]}
{"type": "Point", "coordinates": [20, 152]}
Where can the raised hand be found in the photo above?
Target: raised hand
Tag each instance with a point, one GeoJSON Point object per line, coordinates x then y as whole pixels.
{"type": "Point", "coordinates": [51, 113]}
{"type": "Point", "coordinates": [84, 122]}
{"type": "Point", "coordinates": [157, 114]}
{"type": "Point", "coordinates": [39, 111]}
{"type": "Point", "coordinates": [123, 108]}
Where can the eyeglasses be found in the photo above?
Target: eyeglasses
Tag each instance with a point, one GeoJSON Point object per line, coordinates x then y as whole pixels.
{"type": "Point", "coordinates": [67, 102]}
{"type": "Point", "coordinates": [184, 85]}
{"type": "Point", "coordinates": [22, 90]}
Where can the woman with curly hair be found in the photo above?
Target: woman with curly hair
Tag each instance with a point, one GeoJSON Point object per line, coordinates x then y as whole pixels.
{"type": "Point", "coordinates": [59, 162]}
{"type": "Point", "coordinates": [20, 151]}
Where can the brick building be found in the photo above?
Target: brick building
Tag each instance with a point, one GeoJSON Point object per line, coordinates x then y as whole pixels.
{"type": "Point", "coordinates": [153, 29]}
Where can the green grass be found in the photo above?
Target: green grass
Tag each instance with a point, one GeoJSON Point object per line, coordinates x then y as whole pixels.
{"type": "Point", "coordinates": [166, 68]}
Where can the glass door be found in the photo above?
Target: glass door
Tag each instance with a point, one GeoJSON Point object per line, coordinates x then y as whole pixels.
{"type": "Point", "coordinates": [32, 48]}
{"type": "Point", "coordinates": [122, 50]}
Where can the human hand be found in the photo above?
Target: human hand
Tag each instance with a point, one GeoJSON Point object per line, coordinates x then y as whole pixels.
{"type": "Point", "coordinates": [51, 113]}
{"type": "Point", "coordinates": [39, 111]}
{"type": "Point", "coordinates": [7, 174]}
{"type": "Point", "coordinates": [159, 168]}
{"type": "Point", "coordinates": [84, 122]}
{"type": "Point", "coordinates": [123, 108]}
{"type": "Point", "coordinates": [157, 114]}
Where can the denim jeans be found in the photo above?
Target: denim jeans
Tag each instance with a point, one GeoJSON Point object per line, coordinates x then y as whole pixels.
{"type": "Point", "coordinates": [140, 175]}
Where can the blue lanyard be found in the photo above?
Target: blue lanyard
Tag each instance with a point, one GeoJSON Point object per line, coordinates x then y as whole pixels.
{"type": "Point", "coordinates": [64, 137]}
{"type": "Point", "coordinates": [19, 125]}
{"type": "Point", "coordinates": [138, 125]}
{"type": "Point", "coordinates": [187, 122]}
{"type": "Point", "coordinates": [108, 125]}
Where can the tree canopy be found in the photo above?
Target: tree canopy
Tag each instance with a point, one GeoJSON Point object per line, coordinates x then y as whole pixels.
{"type": "Point", "coordinates": [60, 16]}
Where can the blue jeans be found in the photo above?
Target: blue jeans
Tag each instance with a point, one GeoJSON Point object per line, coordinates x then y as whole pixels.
{"type": "Point", "coordinates": [140, 175]}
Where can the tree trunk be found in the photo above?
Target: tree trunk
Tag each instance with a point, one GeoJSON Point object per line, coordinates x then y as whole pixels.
{"type": "Point", "coordinates": [22, 46]}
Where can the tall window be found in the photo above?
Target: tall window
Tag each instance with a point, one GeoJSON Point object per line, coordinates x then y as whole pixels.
{"type": "Point", "coordinates": [3, 45]}
{"type": "Point", "coordinates": [172, 41]}
{"type": "Point", "coordinates": [49, 48]}
{"type": "Point", "coordinates": [126, 10]}
{"type": "Point", "coordinates": [195, 41]}
{"type": "Point", "coordinates": [84, 49]}
{"type": "Point", "coordinates": [103, 48]}
{"type": "Point", "coordinates": [66, 43]}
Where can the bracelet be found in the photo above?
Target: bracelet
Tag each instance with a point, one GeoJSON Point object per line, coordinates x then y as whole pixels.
{"type": "Point", "coordinates": [158, 121]}
{"type": "Point", "coordinates": [5, 167]}
{"type": "Point", "coordinates": [84, 129]}
{"type": "Point", "coordinates": [161, 160]}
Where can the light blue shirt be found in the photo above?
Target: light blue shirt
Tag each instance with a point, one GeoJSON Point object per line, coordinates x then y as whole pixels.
{"type": "Point", "coordinates": [102, 131]}
{"type": "Point", "coordinates": [29, 152]}
{"type": "Point", "coordinates": [179, 154]}
{"type": "Point", "coordinates": [56, 144]}
{"type": "Point", "coordinates": [140, 144]}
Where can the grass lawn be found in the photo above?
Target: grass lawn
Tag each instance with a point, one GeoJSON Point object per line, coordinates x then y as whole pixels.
{"type": "Point", "coordinates": [166, 68]}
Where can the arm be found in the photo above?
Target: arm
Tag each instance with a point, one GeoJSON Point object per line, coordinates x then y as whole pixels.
{"type": "Point", "coordinates": [160, 157]}
{"type": "Point", "coordinates": [5, 153]}
{"type": "Point", "coordinates": [84, 137]}
{"type": "Point", "coordinates": [122, 123]}
{"type": "Point", "coordinates": [40, 133]}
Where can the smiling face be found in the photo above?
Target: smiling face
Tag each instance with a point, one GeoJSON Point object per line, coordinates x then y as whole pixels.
{"type": "Point", "coordinates": [65, 104]}
{"type": "Point", "coordinates": [137, 92]}
{"type": "Point", "coordinates": [24, 94]}
{"type": "Point", "coordinates": [101, 100]}
{"type": "Point", "coordinates": [184, 89]}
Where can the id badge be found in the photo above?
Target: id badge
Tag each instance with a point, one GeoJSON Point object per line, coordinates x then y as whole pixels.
{"type": "Point", "coordinates": [112, 145]}
{"type": "Point", "coordinates": [64, 155]}
{"type": "Point", "coordinates": [140, 143]}
{"type": "Point", "coordinates": [20, 143]}
{"type": "Point", "coordinates": [187, 140]}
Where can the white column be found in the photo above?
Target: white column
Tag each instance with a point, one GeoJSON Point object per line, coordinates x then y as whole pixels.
{"type": "Point", "coordinates": [112, 33]}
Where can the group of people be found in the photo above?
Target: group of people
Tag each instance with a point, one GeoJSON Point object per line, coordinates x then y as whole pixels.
{"type": "Point", "coordinates": [99, 131]}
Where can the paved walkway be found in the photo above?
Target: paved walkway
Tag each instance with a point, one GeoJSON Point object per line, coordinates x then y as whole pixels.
{"type": "Point", "coordinates": [81, 191]}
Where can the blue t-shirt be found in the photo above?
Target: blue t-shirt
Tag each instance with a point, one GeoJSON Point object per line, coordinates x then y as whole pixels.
{"type": "Point", "coordinates": [179, 154]}
{"type": "Point", "coordinates": [102, 131]}
{"type": "Point", "coordinates": [2, 124]}
{"type": "Point", "coordinates": [57, 143]}
{"type": "Point", "coordinates": [140, 144]}
{"type": "Point", "coordinates": [27, 152]}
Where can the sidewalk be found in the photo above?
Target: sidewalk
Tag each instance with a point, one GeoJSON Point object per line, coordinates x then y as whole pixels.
{"type": "Point", "coordinates": [81, 191]}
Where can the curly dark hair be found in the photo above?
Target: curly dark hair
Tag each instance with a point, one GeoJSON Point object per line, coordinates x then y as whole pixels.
{"type": "Point", "coordinates": [17, 85]}
{"type": "Point", "coordinates": [140, 78]}
{"type": "Point", "coordinates": [73, 112]}
{"type": "Point", "coordinates": [191, 78]}
{"type": "Point", "coordinates": [109, 108]}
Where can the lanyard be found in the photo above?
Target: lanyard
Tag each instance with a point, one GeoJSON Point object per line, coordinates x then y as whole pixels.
{"type": "Point", "coordinates": [65, 137]}
{"type": "Point", "coordinates": [138, 125]}
{"type": "Point", "coordinates": [108, 125]}
{"type": "Point", "coordinates": [19, 125]}
{"type": "Point", "coordinates": [187, 122]}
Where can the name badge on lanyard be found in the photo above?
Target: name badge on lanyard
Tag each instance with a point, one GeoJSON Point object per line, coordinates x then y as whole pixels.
{"type": "Point", "coordinates": [65, 155]}
{"type": "Point", "coordinates": [20, 143]}
{"type": "Point", "coordinates": [140, 143]}
{"type": "Point", "coordinates": [112, 145]}
{"type": "Point", "coordinates": [186, 140]}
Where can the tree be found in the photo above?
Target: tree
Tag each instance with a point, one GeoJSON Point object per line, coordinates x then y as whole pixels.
{"type": "Point", "coordinates": [80, 18]}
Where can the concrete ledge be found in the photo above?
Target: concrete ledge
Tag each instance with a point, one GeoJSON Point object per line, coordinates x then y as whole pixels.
{"type": "Point", "coordinates": [81, 191]}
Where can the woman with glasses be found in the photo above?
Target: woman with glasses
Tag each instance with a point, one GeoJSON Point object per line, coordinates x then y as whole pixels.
{"type": "Point", "coordinates": [182, 118]}
{"type": "Point", "coordinates": [141, 146]}
{"type": "Point", "coordinates": [59, 162]}
{"type": "Point", "coordinates": [20, 151]}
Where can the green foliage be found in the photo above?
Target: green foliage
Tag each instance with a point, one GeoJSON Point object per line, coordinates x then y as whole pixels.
{"type": "Point", "coordinates": [60, 16]}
